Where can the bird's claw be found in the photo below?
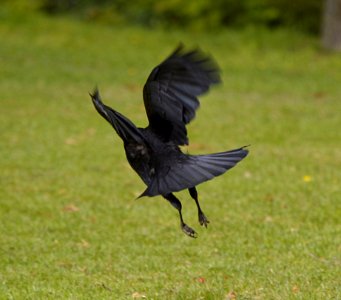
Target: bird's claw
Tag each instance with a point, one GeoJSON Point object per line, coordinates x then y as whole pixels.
{"type": "Point", "coordinates": [203, 220]}
{"type": "Point", "coordinates": [188, 230]}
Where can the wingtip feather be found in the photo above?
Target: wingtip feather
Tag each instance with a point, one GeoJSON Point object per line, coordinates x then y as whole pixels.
{"type": "Point", "coordinates": [95, 94]}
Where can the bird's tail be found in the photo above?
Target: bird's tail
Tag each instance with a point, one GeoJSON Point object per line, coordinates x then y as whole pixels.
{"type": "Point", "coordinates": [193, 171]}
{"type": "Point", "coordinates": [218, 163]}
{"type": "Point", "coordinates": [124, 127]}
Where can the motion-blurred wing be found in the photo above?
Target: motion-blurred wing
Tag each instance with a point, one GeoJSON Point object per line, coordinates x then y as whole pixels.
{"type": "Point", "coordinates": [124, 127]}
{"type": "Point", "coordinates": [193, 171]}
{"type": "Point", "coordinates": [170, 93]}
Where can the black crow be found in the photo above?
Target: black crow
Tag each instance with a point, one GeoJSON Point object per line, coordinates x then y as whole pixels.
{"type": "Point", "coordinates": [170, 99]}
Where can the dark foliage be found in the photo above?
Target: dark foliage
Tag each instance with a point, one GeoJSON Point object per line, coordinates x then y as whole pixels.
{"type": "Point", "coordinates": [201, 15]}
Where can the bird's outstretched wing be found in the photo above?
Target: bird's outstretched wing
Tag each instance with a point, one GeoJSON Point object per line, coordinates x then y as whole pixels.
{"type": "Point", "coordinates": [177, 174]}
{"type": "Point", "coordinates": [124, 127]}
{"type": "Point", "coordinates": [170, 93]}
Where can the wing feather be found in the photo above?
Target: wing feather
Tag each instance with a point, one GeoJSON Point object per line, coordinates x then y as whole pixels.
{"type": "Point", "coordinates": [124, 127]}
{"type": "Point", "coordinates": [170, 93]}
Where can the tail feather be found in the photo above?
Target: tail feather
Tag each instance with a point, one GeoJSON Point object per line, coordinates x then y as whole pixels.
{"type": "Point", "coordinates": [193, 171]}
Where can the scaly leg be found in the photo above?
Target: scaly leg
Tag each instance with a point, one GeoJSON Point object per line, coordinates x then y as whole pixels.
{"type": "Point", "coordinates": [177, 204]}
{"type": "Point", "coordinates": [202, 218]}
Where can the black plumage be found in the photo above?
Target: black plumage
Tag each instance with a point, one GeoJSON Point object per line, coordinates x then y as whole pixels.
{"type": "Point", "coordinates": [170, 98]}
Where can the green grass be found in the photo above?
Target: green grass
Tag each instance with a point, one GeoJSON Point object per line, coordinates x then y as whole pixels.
{"type": "Point", "coordinates": [70, 227]}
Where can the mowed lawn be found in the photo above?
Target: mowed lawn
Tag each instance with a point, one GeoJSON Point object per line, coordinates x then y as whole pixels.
{"type": "Point", "coordinates": [70, 225]}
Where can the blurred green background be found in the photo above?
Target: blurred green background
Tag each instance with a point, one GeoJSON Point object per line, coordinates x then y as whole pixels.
{"type": "Point", "coordinates": [70, 227]}
{"type": "Point", "coordinates": [199, 15]}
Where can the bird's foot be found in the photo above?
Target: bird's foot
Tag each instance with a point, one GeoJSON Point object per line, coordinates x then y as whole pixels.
{"type": "Point", "coordinates": [188, 230]}
{"type": "Point", "coordinates": [203, 220]}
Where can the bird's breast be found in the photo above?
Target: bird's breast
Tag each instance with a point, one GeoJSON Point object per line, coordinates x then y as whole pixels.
{"type": "Point", "coordinates": [139, 158]}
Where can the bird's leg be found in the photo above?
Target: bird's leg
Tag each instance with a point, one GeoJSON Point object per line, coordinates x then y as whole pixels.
{"type": "Point", "coordinates": [177, 204]}
{"type": "Point", "coordinates": [202, 218]}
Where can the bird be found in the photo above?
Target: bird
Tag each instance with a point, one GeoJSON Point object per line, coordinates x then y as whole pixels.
{"type": "Point", "coordinates": [170, 99]}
